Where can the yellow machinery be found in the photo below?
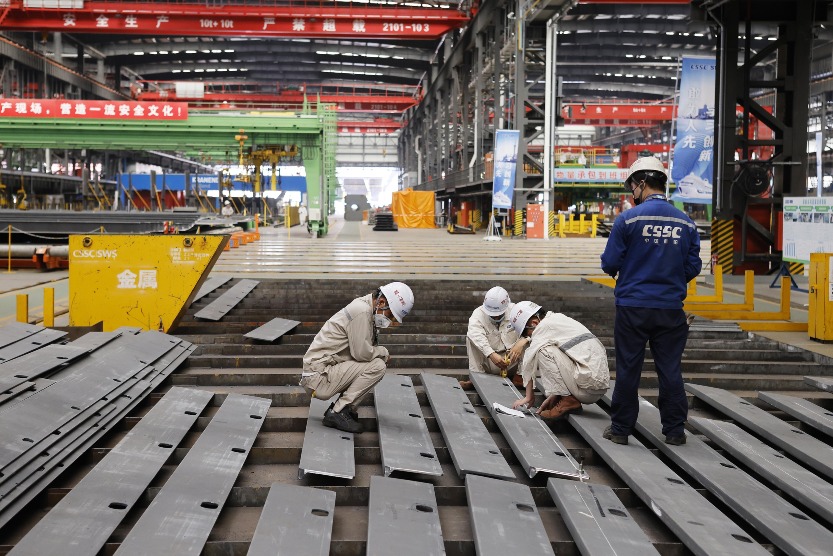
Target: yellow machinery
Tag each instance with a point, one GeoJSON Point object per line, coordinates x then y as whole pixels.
{"type": "Point", "coordinates": [137, 280]}
{"type": "Point", "coordinates": [820, 316]}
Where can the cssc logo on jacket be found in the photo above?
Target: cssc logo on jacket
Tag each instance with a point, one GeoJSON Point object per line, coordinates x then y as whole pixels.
{"type": "Point", "coordinates": [658, 231]}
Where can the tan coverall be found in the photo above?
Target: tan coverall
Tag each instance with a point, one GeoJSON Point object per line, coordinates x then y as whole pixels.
{"type": "Point", "coordinates": [570, 359]}
{"type": "Point", "coordinates": [343, 357]}
{"type": "Point", "coordinates": [484, 337]}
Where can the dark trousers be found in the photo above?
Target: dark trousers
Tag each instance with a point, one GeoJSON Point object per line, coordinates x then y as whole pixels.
{"type": "Point", "coordinates": [666, 332]}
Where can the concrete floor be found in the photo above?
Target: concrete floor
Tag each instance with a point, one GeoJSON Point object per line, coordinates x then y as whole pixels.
{"type": "Point", "coordinates": [354, 250]}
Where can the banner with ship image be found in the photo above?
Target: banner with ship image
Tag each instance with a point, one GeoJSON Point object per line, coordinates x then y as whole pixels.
{"type": "Point", "coordinates": [692, 167]}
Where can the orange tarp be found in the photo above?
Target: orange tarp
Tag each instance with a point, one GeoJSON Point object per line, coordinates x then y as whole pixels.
{"type": "Point", "coordinates": [413, 209]}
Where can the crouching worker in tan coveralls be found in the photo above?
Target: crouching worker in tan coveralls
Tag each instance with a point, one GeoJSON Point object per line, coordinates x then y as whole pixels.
{"type": "Point", "coordinates": [492, 345]}
{"type": "Point", "coordinates": [345, 358]}
{"type": "Point", "coordinates": [571, 361]}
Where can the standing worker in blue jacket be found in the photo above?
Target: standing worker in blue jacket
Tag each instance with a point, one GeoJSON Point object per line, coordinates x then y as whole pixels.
{"type": "Point", "coordinates": [653, 252]}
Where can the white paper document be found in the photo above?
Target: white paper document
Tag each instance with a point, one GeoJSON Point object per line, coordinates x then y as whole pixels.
{"type": "Point", "coordinates": [507, 410]}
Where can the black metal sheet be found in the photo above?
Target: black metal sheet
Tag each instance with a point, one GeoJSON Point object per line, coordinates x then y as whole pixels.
{"type": "Point", "coordinates": [326, 451]}
{"type": "Point", "coordinates": [403, 435]}
{"type": "Point", "coordinates": [182, 514]}
{"type": "Point", "coordinates": [295, 520]}
{"type": "Point", "coordinates": [800, 445]}
{"type": "Point", "coordinates": [793, 479]}
{"type": "Point", "coordinates": [703, 528]}
{"type": "Point", "coordinates": [50, 433]}
{"type": "Point", "coordinates": [83, 520]}
{"type": "Point", "coordinates": [24, 390]}
{"type": "Point", "coordinates": [31, 343]}
{"type": "Point", "coordinates": [820, 382]}
{"type": "Point", "coordinates": [532, 441]}
{"type": "Point", "coordinates": [598, 522]}
{"type": "Point", "coordinates": [789, 528]}
{"type": "Point", "coordinates": [472, 448]}
{"type": "Point", "coordinates": [76, 443]}
{"type": "Point", "coordinates": [16, 331]}
{"type": "Point", "coordinates": [403, 519]}
{"type": "Point", "coordinates": [218, 308]}
{"type": "Point", "coordinates": [211, 284]}
{"type": "Point", "coordinates": [29, 422]}
{"type": "Point", "coordinates": [804, 410]}
{"type": "Point", "coordinates": [272, 330]}
{"type": "Point", "coordinates": [37, 363]}
{"type": "Point", "coordinates": [504, 518]}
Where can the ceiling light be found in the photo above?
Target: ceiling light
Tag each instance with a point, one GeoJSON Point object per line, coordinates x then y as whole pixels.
{"type": "Point", "coordinates": [138, 53]}
{"type": "Point", "coordinates": [190, 51]}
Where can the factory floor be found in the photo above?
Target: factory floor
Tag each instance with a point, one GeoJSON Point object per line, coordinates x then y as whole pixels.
{"type": "Point", "coordinates": [354, 250]}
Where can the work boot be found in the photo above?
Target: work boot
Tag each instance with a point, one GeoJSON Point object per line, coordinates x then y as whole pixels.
{"type": "Point", "coordinates": [565, 406]}
{"type": "Point", "coordinates": [675, 440]}
{"type": "Point", "coordinates": [341, 420]}
{"type": "Point", "coordinates": [354, 412]}
{"type": "Point", "coordinates": [466, 385]}
{"type": "Point", "coordinates": [518, 380]}
{"type": "Point", "coordinates": [615, 438]}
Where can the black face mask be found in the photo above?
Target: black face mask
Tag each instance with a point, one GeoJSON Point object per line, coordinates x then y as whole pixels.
{"type": "Point", "coordinates": [636, 200]}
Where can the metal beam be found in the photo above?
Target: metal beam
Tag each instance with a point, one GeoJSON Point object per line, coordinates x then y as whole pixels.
{"type": "Point", "coordinates": [504, 519]}
{"type": "Point", "coordinates": [810, 451]}
{"type": "Point", "coordinates": [533, 443]}
{"type": "Point", "coordinates": [789, 528]}
{"type": "Point", "coordinates": [182, 514]}
{"type": "Point", "coordinates": [84, 519]}
{"type": "Point", "coordinates": [700, 526]}
{"type": "Point", "coordinates": [598, 522]}
{"type": "Point", "coordinates": [295, 520]}
{"type": "Point", "coordinates": [804, 410]}
{"type": "Point", "coordinates": [472, 448]}
{"type": "Point", "coordinates": [403, 519]}
{"type": "Point", "coordinates": [326, 451]}
{"type": "Point", "coordinates": [218, 308]}
{"type": "Point", "coordinates": [403, 435]}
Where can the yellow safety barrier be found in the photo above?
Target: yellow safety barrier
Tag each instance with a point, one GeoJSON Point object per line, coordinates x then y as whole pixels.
{"type": "Point", "coordinates": [22, 310]}
{"type": "Point", "coordinates": [49, 307]}
{"type": "Point", "coordinates": [741, 315]}
{"type": "Point", "coordinates": [717, 297]}
{"type": "Point", "coordinates": [748, 297]}
{"type": "Point", "coordinates": [136, 280]}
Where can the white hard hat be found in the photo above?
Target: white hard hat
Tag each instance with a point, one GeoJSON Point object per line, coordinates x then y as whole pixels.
{"type": "Point", "coordinates": [400, 299]}
{"type": "Point", "coordinates": [496, 301]}
{"type": "Point", "coordinates": [226, 202]}
{"type": "Point", "coordinates": [521, 314]}
{"type": "Point", "coordinates": [647, 164]}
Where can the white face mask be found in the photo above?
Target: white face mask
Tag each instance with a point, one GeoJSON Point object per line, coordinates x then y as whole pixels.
{"type": "Point", "coordinates": [381, 321]}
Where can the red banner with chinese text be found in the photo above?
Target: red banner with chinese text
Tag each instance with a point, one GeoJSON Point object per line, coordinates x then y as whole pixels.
{"type": "Point", "coordinates": [93, 109]}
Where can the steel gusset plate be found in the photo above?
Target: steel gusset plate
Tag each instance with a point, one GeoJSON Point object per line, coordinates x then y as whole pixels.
{"type": "Point", "coordinates": [74, 445]}
{"type": "Point", "coordinates": [820, 382]}
{"type": "Point", "coordinates": [472, 448]}
{"type": "Point", "coordinates": [295, 520]}
{"type": "Point", "coordinates": [532, 441]}
{"type": "Point", "coordinates": [799, 483]}
{"type": "Point", "coordinates": [30, 421]}
{"type": "Point", "coordinates": [37, 363]}
{"type": "Point", "coordinates": [218, 308]}
{"type": "Point", "coordinates": [16, 331]}
{"type": "Point", "coordinates": [802, 446]}
{"type": "Point", "coordinates": [504, 518]}
{"type": "Point", "coordinates": [84, 519]}
{"type": "Point", "coordinates": [700, 526]}
{"type": "Point", "coordinates": [403, 519]}
{"type": "Point", "coordinates": [804, 410]}
{"type": "Point", "coordinates": [403, 435]}
{"type": "Point", "coordinates": [598, 521]}
{"type": "Point", "coordinates": [788, 527]}
{"type": "Point", "coordinates": [30, 344]}
{"type": "Point", "coordinates": [211, 284]}
{"type": "Point", "coordinates": [24, 389]}
{"type": "Point", "coordinates": [30, 441]}
{"type": "Point", "coordinates": [326, 451]}
{"type": "Point", "coordinates": [182, 514]}
{"type": "Point", "coordinates": [272, 330]}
